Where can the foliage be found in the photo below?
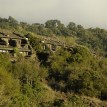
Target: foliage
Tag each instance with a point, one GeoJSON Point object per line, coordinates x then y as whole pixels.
{"type": "Point", "coordinates": [62, 78]}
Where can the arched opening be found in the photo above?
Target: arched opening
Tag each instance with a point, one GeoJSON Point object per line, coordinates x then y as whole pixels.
{"type": "Point", "coordinates": [12, 43]}
{"type": "Point", "coordinates": [23, 42]}
{"type": "Point", "coordinates": [2, 42]}
{"type": "Point", "coordinates": [29, 53]}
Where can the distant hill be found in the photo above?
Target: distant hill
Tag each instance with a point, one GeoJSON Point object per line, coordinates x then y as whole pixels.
{"type": "Point", "coordinates": [69, 68]}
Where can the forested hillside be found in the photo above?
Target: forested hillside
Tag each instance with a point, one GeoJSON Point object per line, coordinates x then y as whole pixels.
{"type": "Point", "coordinates": [63, 78]}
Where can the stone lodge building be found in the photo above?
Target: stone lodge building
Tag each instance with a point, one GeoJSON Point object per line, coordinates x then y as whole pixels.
{"type": "Point", "coordinates": [14, 43]}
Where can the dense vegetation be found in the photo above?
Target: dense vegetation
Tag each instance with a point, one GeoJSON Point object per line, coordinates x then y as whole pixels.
{"type": "Point", "coordinates": [65, 78]}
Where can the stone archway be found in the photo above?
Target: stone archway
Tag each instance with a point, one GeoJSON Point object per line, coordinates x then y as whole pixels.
{"type": "Point", "coordinates": [23, 42]}
{"type": "Point", "coordinates": [12, 43]}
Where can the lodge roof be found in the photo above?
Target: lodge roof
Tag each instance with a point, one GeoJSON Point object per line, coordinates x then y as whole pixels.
{"type": "Point", "coordinates": [12, 35]}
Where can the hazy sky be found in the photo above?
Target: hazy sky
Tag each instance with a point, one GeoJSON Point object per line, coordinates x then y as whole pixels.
{"type": "Point", "coordinates": [85, 12]}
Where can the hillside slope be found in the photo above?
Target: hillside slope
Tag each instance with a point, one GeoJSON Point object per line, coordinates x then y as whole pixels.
{"type": "Point", "coordinates": [74, 75]}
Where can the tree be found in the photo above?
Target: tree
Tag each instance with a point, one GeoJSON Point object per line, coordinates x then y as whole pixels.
{"type": "Point", "coordinates": [72, 26]}
{"type": "Point", "coordinates": [9, 88]}
{"type": "Point", "coordinates": [12, 20]}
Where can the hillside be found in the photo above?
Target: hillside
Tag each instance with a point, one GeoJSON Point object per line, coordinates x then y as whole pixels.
{"type": "Point", "coordinates": [69, 68]}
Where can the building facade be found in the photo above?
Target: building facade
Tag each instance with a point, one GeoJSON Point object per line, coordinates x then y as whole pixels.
{"type": "Point", "coordinates": [15, 43]}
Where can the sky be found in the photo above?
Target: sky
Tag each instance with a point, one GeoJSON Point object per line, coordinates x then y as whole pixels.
{"type": "Point", "coordinates": [88, 13]}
